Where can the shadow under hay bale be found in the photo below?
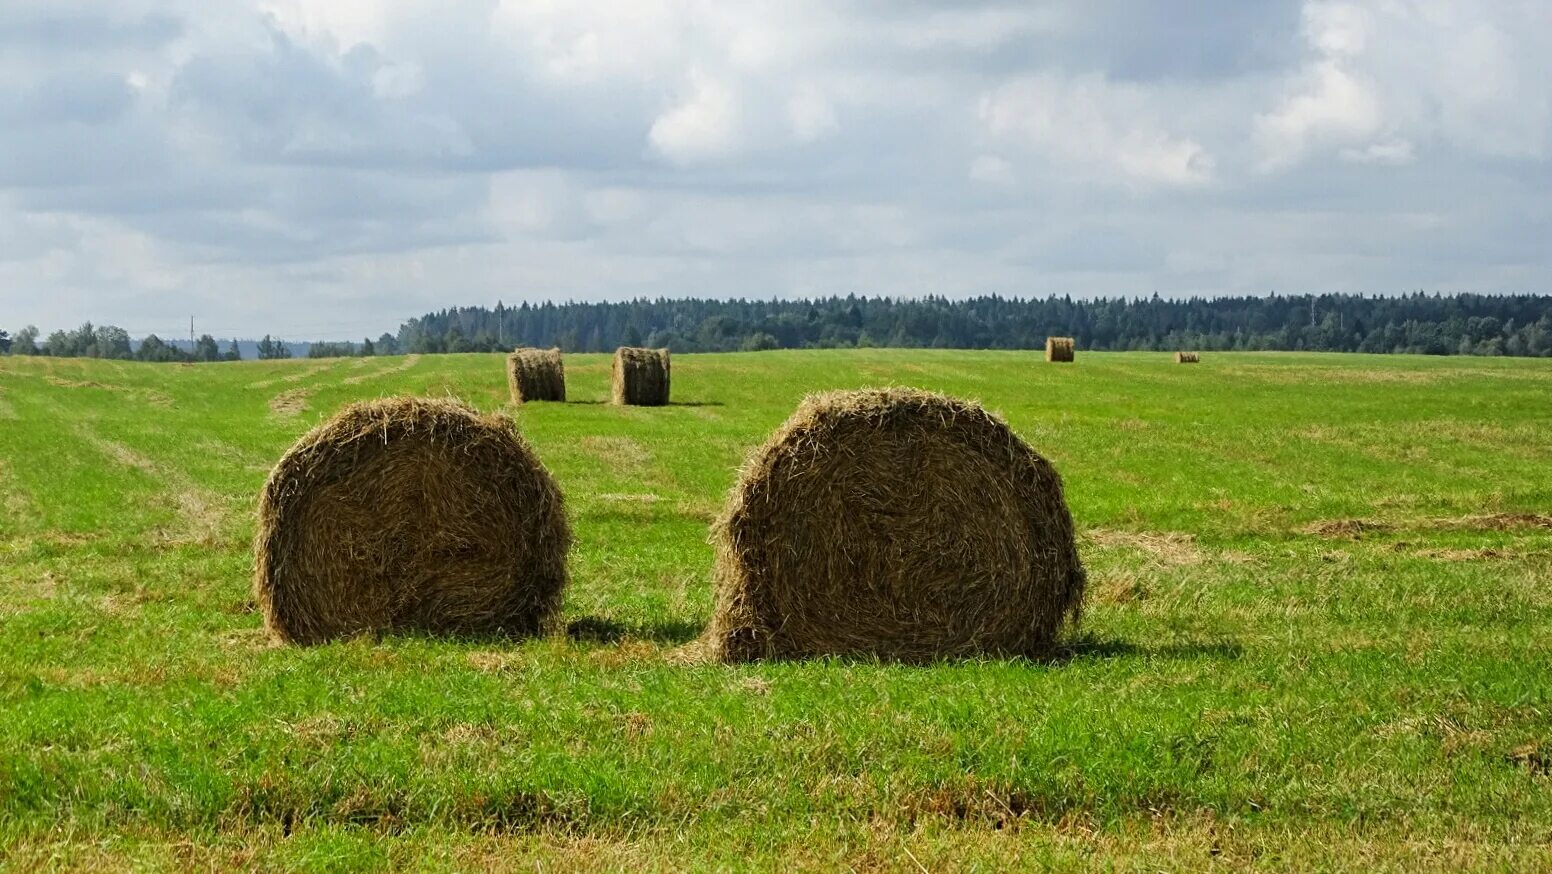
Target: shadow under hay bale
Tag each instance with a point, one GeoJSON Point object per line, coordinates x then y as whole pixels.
{"type": "Point", "coordinates": [640, 377]}
{"type": "Point", "coordinates": [1188, 357]}
{"type": "Point", "coordinates": [410, 514]}
{"type": "Point", "coordinates": [536, 375]}
{"type": "Point", "coordinates": [1059, 348]}
{"type": "Point", "coordinates": [893, 523]}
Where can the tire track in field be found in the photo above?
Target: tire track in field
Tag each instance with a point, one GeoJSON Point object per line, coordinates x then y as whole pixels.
{"type": "Point", "coordinates": [202, 513]}
{"type": "Point", "coordinates": [408, 362]}
{"type": "Point", "coordinates": [298, 376]}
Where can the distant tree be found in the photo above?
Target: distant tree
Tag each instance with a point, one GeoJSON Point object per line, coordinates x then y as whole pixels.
{"type": "Point", "coordinates": [387, 344]}
{"type": "Point", "coordinates": [759, 342]}
{"type": "Point", "coordinates": [367, 349]}
{"type": "Point", "coordinates": [5, 343]}
{"type": "Point", "coordinates": [26, 341]}
{"type": "Point", "coordinates": [111, 341]}
{"type": "Point", "coordinates": [270, 349]}
{"type": "Point", "coordinates": [61, 344]}
{"type": "Point", "coordinates": [153, 349]}
{"type": "Point", "coordinates": [205, 349]}
{"type": "Point", "coordinates": [232, 353]}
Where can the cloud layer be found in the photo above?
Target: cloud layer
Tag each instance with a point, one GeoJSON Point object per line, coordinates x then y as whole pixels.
{"type": "Point", "coordinates": [324, 169]}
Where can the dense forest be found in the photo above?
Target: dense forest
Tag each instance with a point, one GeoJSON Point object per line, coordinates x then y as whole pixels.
{"type": "Point", "coordinates": [1429, 324]}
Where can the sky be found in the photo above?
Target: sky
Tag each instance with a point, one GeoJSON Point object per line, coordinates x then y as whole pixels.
{"type": "Point", "coordinates": [328, 168]}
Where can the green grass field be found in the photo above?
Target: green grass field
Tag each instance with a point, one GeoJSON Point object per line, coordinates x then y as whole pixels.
{"type": "Point", "coordinates": [1319, 635]}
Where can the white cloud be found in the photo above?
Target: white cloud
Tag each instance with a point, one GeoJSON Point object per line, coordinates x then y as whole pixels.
{"type": "Point", "coordinates": [365, 159]}
{"type": "Point", "coordinates": [1428, 73]}
{"type": "Point", "coordinates": [703, 127]}
{"type": "Point", "coordinates": [1096, 126]}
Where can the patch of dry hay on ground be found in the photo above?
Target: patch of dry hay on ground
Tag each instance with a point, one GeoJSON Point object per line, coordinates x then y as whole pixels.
{"type": "Point", "coordinates": [409, 362]}
{"type": "Point", "coordinates": [895, 523]}
{"type": "Point", "coordinates": [1173, 548]}
{"type": "Point", "coordinates": [1345, 529]}
{"type": "Point", "coordinates": [290, 403]}
{"type": "Point", "coordinates": [1355, 529]}
{"type": "Point", "coordinates": [202, 514]}
{"type": "Point", "coordinates": [410, 513]}
{"type": "Point", "coordinates": [619, 453]}
{"type": "Point", "coordinates": [640, 377]}
{"type": "Point", "coordinates": [149, 396]}
{"type": "Point", "coordinates": [1297, 373]}
{"type": "Point", "coordinates": [536, 375]}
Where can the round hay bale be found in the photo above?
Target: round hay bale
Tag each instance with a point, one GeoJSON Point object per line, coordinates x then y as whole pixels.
{"type": "Point", "coordinates": [410, 513]}
{"type": "Point", "coordinates": [895, 523]}
{"type": "Point", "coordinates": [536, 375]}
{"type": "Point", "coordinates": [1059, 348]}
{"type": "Point", "coordinates": [640, 376]}
{"type": "Point", "coordinates": [1188, 357]}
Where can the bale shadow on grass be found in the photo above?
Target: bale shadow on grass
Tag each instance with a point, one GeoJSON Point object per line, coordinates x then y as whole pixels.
{"type": "Point", "coordinates": [596, 629]}
{"type": "Point", "coordinates": [696, 404]}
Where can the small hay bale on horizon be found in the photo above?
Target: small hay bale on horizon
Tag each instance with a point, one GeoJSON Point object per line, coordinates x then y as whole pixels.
{"type": "Point", "coordinates": [409, 514]}
{"type": "Point", "coordinates": [1059, 348]}
{"type": "Point", "coordinates": [898, 524]}
{"type": "Point", "coordinates": [536, 375]}
{"type": "Point", "coordinates": [1188, 357]}
{"type": "Point", "coordinates": [640, 377]}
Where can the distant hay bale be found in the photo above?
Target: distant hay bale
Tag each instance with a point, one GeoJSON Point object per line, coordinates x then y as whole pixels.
{"type": "Point", "coordinates": [1059, 348]}
{"type": "Point", "coordinates": [410, 513]}
{"type": "Point", "coordinates": [536, 375]}
{"type": "Point", "coordinates": [1188, 357]}
{"type": "Point", "coordinates": [895, 523]}
{"type": "Point", "coordinates": [640, 376]}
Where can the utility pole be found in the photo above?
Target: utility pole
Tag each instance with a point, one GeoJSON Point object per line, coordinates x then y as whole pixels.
{"type": "Point", "coordinates": [191, 331]}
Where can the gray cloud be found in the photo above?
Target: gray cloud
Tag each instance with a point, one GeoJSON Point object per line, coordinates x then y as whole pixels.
{"type": "Point", "coordinates": [317, 166]}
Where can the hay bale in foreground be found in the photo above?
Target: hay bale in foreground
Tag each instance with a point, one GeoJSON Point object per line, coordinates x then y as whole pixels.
{"type": "Point", "coordinates": [409, 513]}
{"type": "Point", "coordinates": [1188, 357]}
{"type": "Point", "coordinates": [640, 376]}
{"type": "Point", "coordinates": [895, 523]}
{"type": "Point", "coordinates": [536, 375]}
{"type": "Point", "coordinates": [1059, 348]}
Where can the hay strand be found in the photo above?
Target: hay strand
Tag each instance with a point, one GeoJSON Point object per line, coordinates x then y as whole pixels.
{"type": "Point", "coordinates": [640, 377]}
{"type": "Point", "coordinates": [410, 513]}
{"type": "Point", "coordinates": [895, 523]}
{"type": "Point", "coordinates": [536, 375]}
{"type": "Point", "coordinates": [1059, 348]}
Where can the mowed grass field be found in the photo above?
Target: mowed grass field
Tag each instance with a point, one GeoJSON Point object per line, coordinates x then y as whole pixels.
{"type": "Point", "coordinates": [1319, 635]}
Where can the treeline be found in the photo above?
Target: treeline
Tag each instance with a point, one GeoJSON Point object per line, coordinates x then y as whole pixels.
{"type": "Point", "coordinates": [1429, 324]}
{"type": "Point", "coordinates": [111, 341]}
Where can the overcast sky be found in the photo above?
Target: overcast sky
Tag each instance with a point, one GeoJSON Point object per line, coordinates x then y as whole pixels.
{"type": "Point", "coordinates": [326, 168]}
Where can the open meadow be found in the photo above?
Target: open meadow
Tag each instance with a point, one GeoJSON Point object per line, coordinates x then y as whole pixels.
{"type": "Point", "coordinates": [1318, 634]}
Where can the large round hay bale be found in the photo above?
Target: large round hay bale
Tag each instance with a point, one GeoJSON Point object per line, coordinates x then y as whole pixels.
{"type": "Point", "coordinates": [640, 376]}
{"type": "Point", "coordinates": [895, 523]}
{"type": "Point", "coordinates": [536, 375]}
{"type": "Point", "coordinates": [410, 513]}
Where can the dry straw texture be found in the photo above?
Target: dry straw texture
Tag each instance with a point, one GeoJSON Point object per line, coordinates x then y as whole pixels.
{"type": "Point", "coordinates": [640, 376]}
{"type": "Point", "coordinates": [536, 375]}
{"type": "Point", "coordinates": [1059, 348]}
{"type": "Point", "coordinates": [895, 523]}
{"type": "Point", "coordinates": [410, 513]}
{"type": "Point", "coordinates": [1187, 357]}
